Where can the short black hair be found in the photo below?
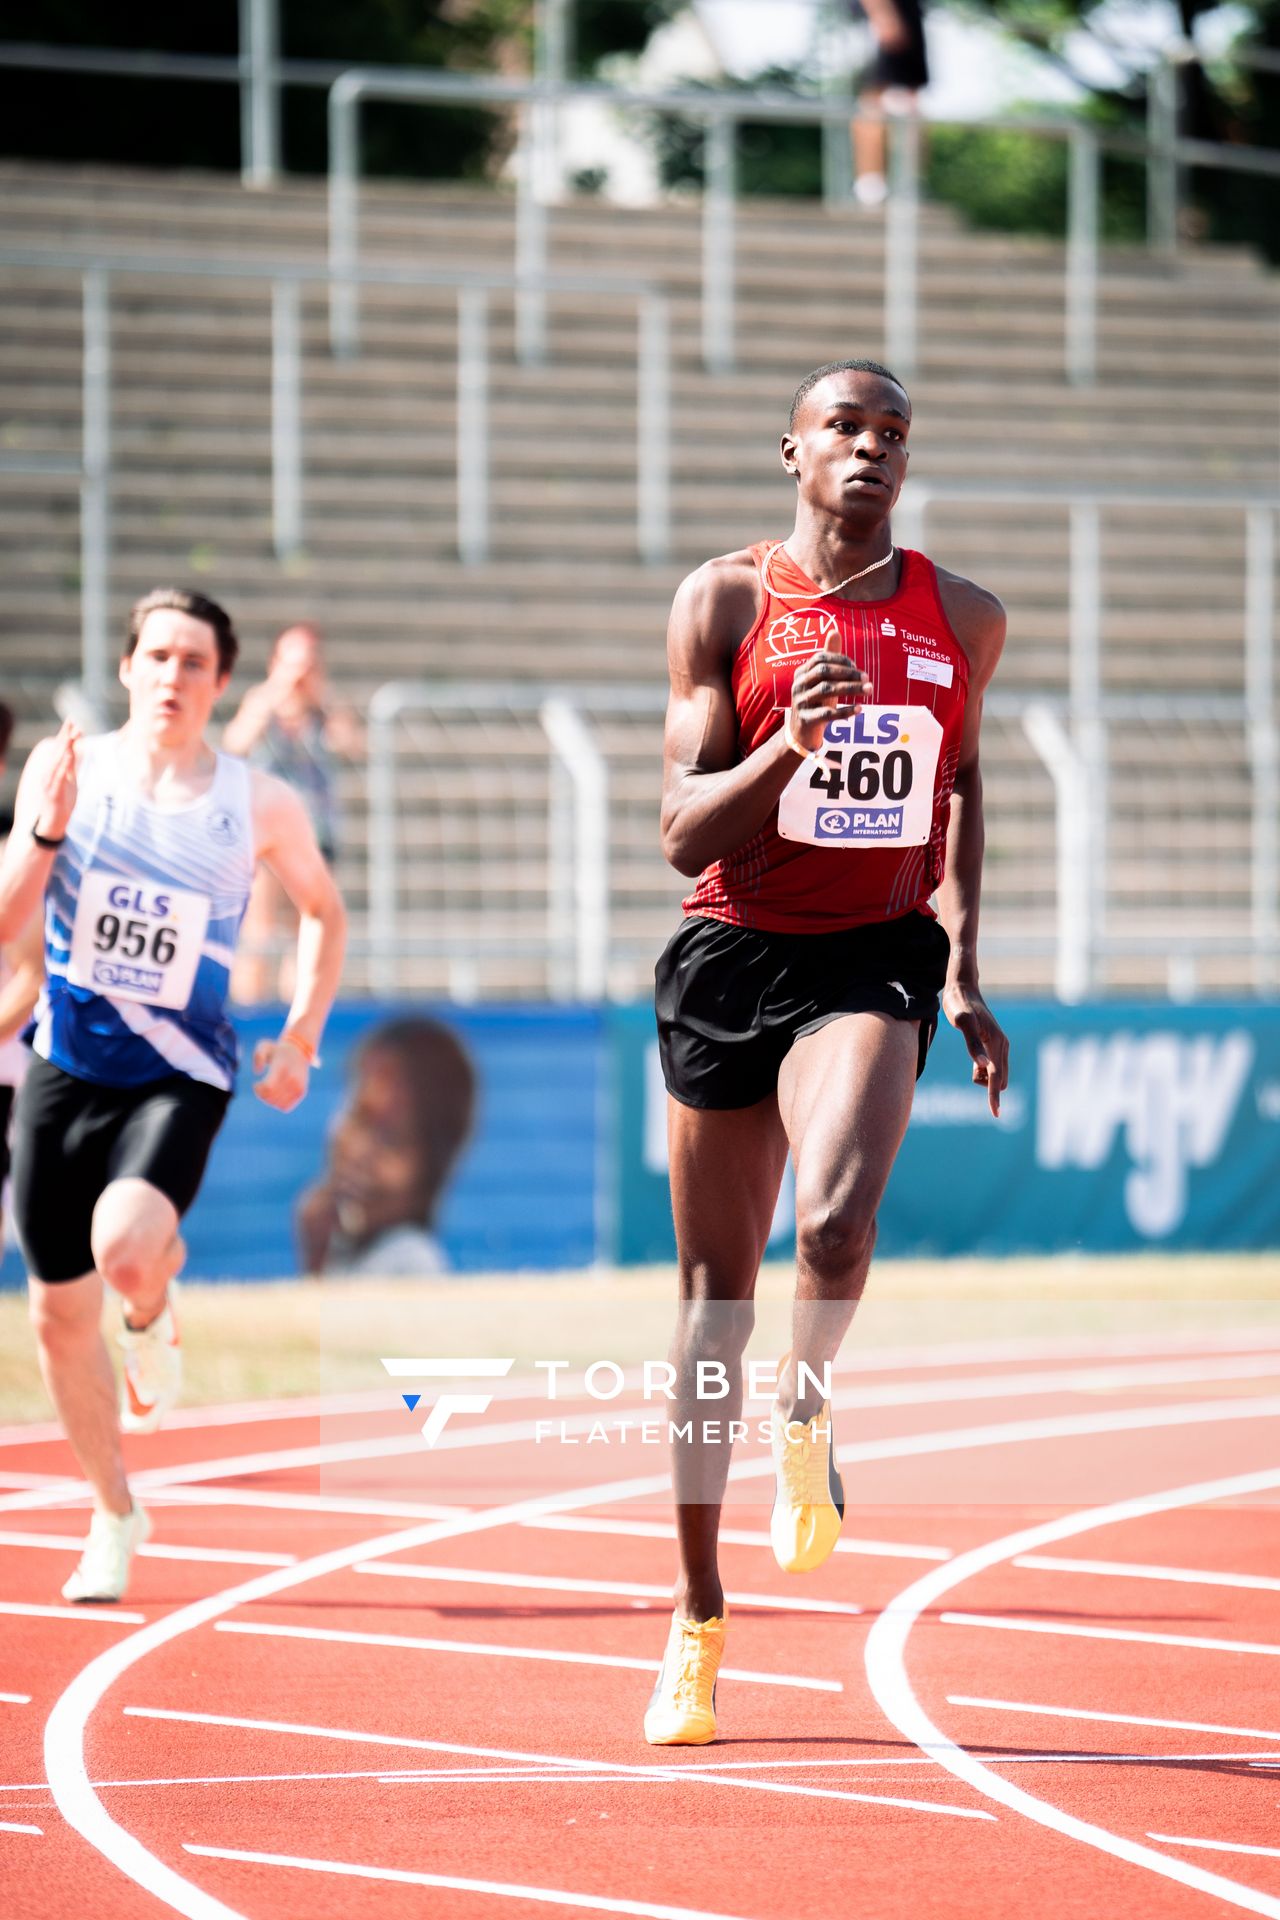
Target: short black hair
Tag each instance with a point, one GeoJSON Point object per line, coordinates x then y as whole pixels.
{"type": "Point", "coordinates": [197, 606]}
{"type": "Point", "coordinates": [811, 380]}
{"type": "Point", "coordinates": [6, 728]}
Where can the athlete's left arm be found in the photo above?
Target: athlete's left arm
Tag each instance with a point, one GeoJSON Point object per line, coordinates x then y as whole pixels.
{"type": "Point", "coordinates": [978, 620]}
{"type": "Point", "coordinates": [286, 844]}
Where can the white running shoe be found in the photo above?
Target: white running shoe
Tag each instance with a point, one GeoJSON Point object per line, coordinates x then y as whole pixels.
{"type": "Point", "coordinates": [152, 1370]}
{"type": "Point", "coordinates": [103, 1572]}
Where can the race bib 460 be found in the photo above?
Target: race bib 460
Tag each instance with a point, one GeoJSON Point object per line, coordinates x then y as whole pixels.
{"type": "Point", "coordinates": [872, 786]}
{"type": "Point", "coordinates": [135, 941]}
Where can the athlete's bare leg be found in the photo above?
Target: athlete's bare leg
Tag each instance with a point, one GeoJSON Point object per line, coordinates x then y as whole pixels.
{"type": "Point", "coordinates": [726, 1169]}
{"type": "Point", "coordinates": [136, 1246]}
{"type": "Point", "coordinates": [82, 1385]}
{"type": "Point", "coordinates": [844, 1094]}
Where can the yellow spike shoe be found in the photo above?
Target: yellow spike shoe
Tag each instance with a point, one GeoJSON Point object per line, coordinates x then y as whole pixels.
{"type": "Point", "coordinates": [808, 1504]}
{"type": "Point", "coordinates": [682, 1708]}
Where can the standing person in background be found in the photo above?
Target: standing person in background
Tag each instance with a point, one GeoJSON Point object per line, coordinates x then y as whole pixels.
{"type": "Point", "coordinates": [21, 978]}
{"type": "Point", "coordinates": [898, 72]}
{"type": "Point", "coordinates": [290, 726]}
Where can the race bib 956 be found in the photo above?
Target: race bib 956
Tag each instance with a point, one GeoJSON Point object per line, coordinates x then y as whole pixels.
{"type": "Point", "coordinates": [135, 941]}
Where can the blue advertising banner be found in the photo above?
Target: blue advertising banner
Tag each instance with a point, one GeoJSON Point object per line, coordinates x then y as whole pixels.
{"type": "Point", "coordinates": [1124, 1128]}
{"type": "Point", "coordinates": [432, 1139]}
{"type": "Point", "coordinates": [502, 1138]}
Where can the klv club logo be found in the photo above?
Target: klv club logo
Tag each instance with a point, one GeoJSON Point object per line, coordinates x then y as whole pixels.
{"type": "Point", "coordinates": [448, 1403]}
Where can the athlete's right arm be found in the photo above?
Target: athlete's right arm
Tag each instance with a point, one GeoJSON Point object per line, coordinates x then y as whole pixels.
{"type": "Point", "coordinates": [21, 990]}
{"type": "Point", "coordinates": [713, 802]}
{"type": "Point", "coordinates": [45, 802]}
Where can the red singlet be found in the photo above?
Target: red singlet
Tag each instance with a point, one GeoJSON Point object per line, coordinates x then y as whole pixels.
{"type": "Point", "coordinates": [907, 647]}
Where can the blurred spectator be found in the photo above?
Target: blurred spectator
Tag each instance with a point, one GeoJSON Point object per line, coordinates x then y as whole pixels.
{"type": "Point", "coordinates": [897, 73]}
{"type": "Point", "coordinates": [409, 1112]}
{"type": "Point", "coordinates": [21, 978]}
{"type": "Point", "coordinates": [291, 726]}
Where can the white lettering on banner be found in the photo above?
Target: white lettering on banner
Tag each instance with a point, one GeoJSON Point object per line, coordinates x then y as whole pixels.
{"type": "Point", "coordinates": [1172, 1096]}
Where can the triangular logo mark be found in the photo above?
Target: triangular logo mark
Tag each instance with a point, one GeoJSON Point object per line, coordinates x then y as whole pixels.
{"type": "Point", "coordinates": [411, 1400]}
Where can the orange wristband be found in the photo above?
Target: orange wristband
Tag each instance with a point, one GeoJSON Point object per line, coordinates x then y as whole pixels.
{"type": "Point", "coordinates": [309, 1053]}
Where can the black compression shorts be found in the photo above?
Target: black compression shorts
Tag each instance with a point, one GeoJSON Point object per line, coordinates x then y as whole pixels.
{"type": "Point", "coordinates": [732, 1001]}
{"type": "Point", "coordinates": [72, 1138]}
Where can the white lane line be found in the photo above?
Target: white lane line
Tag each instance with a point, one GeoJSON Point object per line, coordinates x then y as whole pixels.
{"type": "Point", "coordinates": [1245, 1342]}
{"type": "Point", "coordinates": [112, 1613]}
{"type": "Point", "coordinates": [706, 1775]}
{"type": "Point", "coordinates": [18, 1826]}
{"type": "Point", "coordinates": [1094, 1347]}
{"type": "Point", "coordinates": [235, 1413]}
{"type": "Point", "coordinates": [565, 1583]}
{"type": "Point", "coordinates": [64, 1733]}
{"type": "Point", "coordinates": [184, 1496]}
{"type": "Point", "coordinates": [413, 1644]}
{"type": "Point", "coordinates": [1107, 1633]}
{"type": "Point", "coordinates": [983, 1387]}
{"type": "Point", "coordinates": [1139, 1570]}
{"type": "Point", "coordinates": [885, 1658]}
{"type": "Point", "coordinates": [399, 1876]}
{"type": "Point", "coordinates": [16, 1699]}
{"type": "Point", "coordinates": [727, 1536]}
{"type": "Point", "coordinates": [1216, 1846]}
{"type": "Point", "coordinates": [216, 1556]}
{"type": "Point", "coordinates": [1118, 1719]}
{"type": "Point", "coordinates": [66, 1726]}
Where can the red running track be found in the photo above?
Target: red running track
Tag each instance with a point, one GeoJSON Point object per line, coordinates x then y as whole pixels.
{"type": "Point", "coordinates": [356, 1677]}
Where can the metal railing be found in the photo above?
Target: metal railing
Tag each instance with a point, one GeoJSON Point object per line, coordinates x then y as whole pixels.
{"type": "Point", "coordinates": [540, 101]}
{"type": "Point", "coordinates": [286, 280]}
{"type": "Point", "coordinates": [1072, 737]}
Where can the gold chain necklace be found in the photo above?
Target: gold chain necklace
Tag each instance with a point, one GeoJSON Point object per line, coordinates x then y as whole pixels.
{"type": "Point", "coordinates": [825, 592]}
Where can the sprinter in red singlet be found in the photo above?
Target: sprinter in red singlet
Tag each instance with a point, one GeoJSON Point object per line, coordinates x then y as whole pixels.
{"type": "Point", "coordinates": [822, 787]}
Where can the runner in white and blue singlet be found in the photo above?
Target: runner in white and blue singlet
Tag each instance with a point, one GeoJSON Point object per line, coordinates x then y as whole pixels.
{"type": "Point", "coordinates": [143, 845]}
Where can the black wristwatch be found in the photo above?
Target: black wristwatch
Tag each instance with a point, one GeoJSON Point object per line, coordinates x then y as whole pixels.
{"type": "Point", "coordinates": [43, 840]}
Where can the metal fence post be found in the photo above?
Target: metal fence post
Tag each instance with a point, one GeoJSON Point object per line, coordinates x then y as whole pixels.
{"type": "Point", "coordinates": [259, 92]}
{"type": "Point", "coordinates": [901, 246]}
{"type": "Point", "coordinates": [551, 34]}
{"type": "Point", "coordinates": [344, 217]}
{"type": "Point", "coordinates": [286, 418]}
{"type": "Point", "coordinates": [1088, 729]}
{"type": "Point", "coordinates": [583, 762]}
{"type": "Point", "coordinates": [383, 851]}
{"type": "Point", "coordinates": [95, 491]}
{"type": "Point", "coordinates": [1073, 959]}
{"type": "Point", "coordinates": [1082, 258]}
{"type": "Point", "coordinates": [531, 247]}
{"type": "Point", "coordinates": [719, 209]}
{"type": "Point", "coordinates": [1163, 91]}
{"type": "Point", "coordinates": [473, 425]}
{"type": "Point", "coordinates": [1264, 750]}
{"type": "Point", "coordinates": [653, 432]}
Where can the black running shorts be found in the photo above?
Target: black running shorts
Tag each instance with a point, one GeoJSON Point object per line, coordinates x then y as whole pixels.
{"type": "Point", "coordinates": [72, 1138]}
{"type": "Point", "coordinates": [732, 1001]}
{"type": "Point", "coordinates": [905, 67]}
